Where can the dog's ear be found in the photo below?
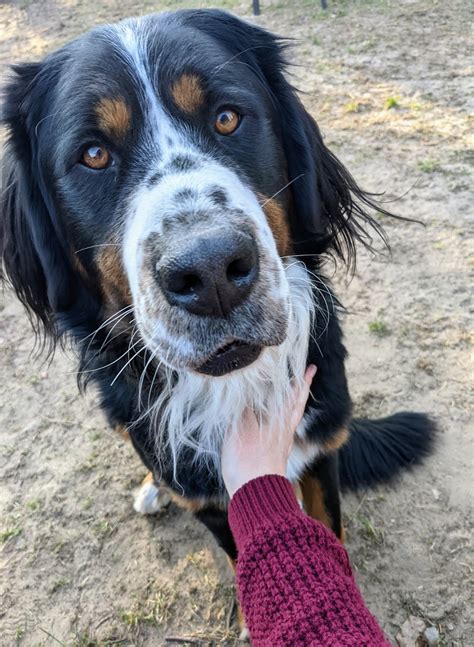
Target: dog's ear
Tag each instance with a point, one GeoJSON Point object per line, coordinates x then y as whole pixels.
{"type": "Point", "coordinates": [329, 210]}
{"type": "Point", "coordinates": [34, 257]}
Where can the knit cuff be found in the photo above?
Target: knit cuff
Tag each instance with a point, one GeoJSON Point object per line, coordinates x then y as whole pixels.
{"type": "Point", "coordinates": [259, 502]}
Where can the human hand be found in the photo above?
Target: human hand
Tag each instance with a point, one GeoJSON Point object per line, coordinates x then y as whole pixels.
{"type": "Point", "coordinates": [255, 450]}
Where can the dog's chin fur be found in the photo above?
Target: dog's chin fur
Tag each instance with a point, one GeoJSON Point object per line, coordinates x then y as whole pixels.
{"type": "Point", "coordinates": [194, 411]}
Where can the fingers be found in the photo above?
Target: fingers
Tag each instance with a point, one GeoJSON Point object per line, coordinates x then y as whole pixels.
{"type": "Point", "coordinates": [309, 374]}
{"type": "Point", "coordinates": [301, 394]}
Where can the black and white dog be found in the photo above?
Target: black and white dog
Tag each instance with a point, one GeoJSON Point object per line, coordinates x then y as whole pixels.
{"type": "Point", "coordinates": [168, 203]}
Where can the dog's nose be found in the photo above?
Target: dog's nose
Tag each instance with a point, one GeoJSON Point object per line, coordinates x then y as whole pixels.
{"type": "Point", "coordinates": [212, 276]}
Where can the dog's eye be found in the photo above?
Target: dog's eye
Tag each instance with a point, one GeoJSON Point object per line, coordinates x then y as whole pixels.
{"type": "Point", "coordinates": [227, 121]}
{"type": "Point", "coordinates": [96, 157]}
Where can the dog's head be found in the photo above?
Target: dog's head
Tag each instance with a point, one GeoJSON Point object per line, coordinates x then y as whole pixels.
{"type": "Point", "coordinates": [165, 165]}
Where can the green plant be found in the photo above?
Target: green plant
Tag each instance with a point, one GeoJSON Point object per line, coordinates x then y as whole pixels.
{"type": "Point", "coordinates": [379, 328]}
{"type": "Point", "coordinates": [9, 533]}
{"type": "Point", "coordinates": [391, 102]}
{"type": "Point", "coordinates": [428, 166]}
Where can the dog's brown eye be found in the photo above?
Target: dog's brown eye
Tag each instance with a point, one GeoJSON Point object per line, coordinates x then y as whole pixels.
{"type": "Point", "coordinates": [227, 121]}
{"type": "Point", "coordinates": [96, 157]}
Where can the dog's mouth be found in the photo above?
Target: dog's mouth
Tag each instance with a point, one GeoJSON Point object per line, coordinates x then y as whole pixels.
{"type": "Point", "coordinates": [231, 357]}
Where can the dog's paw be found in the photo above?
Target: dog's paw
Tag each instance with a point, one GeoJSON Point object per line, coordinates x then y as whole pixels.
{"type": "Point", "coordinates": [150, 498]}
{"type": "Point", "coordinates": [244, 636]}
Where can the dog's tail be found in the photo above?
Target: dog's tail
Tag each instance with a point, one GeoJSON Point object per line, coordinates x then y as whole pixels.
{"type": "Point", "coordinates": [378, 450]}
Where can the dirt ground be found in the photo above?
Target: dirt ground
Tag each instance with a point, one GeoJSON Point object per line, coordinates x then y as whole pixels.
{"type": "Point", "coordinates": [389, 83]}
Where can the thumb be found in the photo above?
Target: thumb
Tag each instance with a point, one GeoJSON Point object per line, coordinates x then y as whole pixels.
{"type": "Point", "coordinates": [301, 397]}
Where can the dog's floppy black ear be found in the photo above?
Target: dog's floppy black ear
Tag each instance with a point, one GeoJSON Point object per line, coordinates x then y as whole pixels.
{"type": "Point", "coordinates": [330, 211]}
{"type": "Point", "coordinates": [34, 259]}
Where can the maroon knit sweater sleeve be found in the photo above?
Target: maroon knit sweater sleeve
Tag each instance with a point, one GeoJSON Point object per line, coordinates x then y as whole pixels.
{"type": "Point", "coordinates": [294, 579]}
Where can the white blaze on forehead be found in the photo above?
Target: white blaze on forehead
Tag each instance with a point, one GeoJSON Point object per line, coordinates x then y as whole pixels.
{"type": "Point", "coordinates": [131, 36]}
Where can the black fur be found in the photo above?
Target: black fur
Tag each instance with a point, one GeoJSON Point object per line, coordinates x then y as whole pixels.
{"type": "Point", "coordinates": [378, 450]}
{"type": "Point", "coordinates": [49, 222]}
{"type": "Point", "coordinates": [215, 520]}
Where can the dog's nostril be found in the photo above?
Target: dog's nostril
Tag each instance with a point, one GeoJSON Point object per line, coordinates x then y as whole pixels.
{"type": "Point", "coordinates": [239, 269]}
{"type": "Point", "coordinates": [185, 284]}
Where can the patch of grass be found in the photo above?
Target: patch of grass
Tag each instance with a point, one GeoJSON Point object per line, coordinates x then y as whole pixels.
{"type": "Point", "coordinates": [7, 450]}
{"type": "Point", "coordinates": [155, 610]}
{"type": "Point", "coordinates": [416, 106]}
{"type": "Point", "coordinates": [87, 503]}
{"type": "Point", "coordinates": [9, 533]}
{"type": "Point", "coordinates": [19, 633]}
{"type": "Point", "coordinates": [428, 166]}
{"type": "Point", "coordinates": [33, 505]}
{"type": "Point", "coordinates": [369, 531]}
{"type": "Point", "coordinates": [84, 639]}
{"type": "Point", "coordinates": [103, 529]}
{"type": "Point", "coordinates": [315, 40]}
{"type": "Point", "coordinates": [59, 584]}
{"type": "Point", "coordinates": [353, 106]}
{"type": "Point", "coordinates": [90, 463]}
{"type": "Point", "coordinates": [379, 328]}
{"type": "Point", "coordinates": [391, 102]}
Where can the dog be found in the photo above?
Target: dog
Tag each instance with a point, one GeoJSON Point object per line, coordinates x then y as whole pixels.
{"type": "Point", "coordinates": [168, 206]}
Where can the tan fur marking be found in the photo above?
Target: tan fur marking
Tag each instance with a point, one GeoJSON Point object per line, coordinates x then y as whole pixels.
{"type": "Point", "coordinates": [80, 268]}
{"type": "Point", "coordinates": [114, 117]}
{"type": "Point", "coordinates": [148, 479]}
{"type": "Point", "coordinates": [187, 93]}
{"type": "Point", "coordinates": [278, 221]}
{"type": "Point", "coordinates": [192, 505]}
{"type": "Point", "coordinates": [338, 440]}
{"type": "Point", "coordinates": [240, 615]}
{"type": "Point", "coordinates": [122, 431]}
{"type": "Point", "coordinates": [113, 279]}
{"type": "Point", "coordinates": [313, 499]}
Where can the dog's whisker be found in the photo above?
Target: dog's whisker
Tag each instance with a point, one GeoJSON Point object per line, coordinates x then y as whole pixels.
{"type": "Point", "coordinates": [128, 364]}
{"type": "Point", "coordinates": [150, 392]}
{"type": "Point", "coordinates": [143, 375]}
{"type": "Point", "coordinates": [83, 249]}
{"type": "Point", "coordinates": [282, 189]}
{"type": "Point", "coordinates": [104, 323]}
{"type": "Point", "coordinates": [101, 368]}
{"type": "Point", "coordinates": [218, 68]}
{"type": "Point", "coordinates": [117, 317]}
{"type": "Point", "coordinates": [108, 340]}
{"type": "Point", "coordinates": [53, 114]}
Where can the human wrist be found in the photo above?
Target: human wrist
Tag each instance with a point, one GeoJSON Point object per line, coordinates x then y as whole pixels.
{"type": "Point", "coordinates": [250, 473]}
{"type": "Point", "coordinates": [259, 502]}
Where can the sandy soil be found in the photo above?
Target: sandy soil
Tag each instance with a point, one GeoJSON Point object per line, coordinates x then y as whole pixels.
{"type": "Point", "coordinates": [389, 84]}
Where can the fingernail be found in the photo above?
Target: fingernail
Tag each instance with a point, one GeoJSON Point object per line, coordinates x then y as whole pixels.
{"type": "Point", "coordinates": [312, 370]}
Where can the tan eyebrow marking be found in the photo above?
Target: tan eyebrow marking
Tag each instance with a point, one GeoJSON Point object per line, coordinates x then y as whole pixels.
{"type": "Point", "coordinates": [187, 93]}
{"type": "Point", "coordinates": [114, 116]}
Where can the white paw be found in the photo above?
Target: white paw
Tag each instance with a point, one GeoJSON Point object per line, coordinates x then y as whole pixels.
{"type": "Point", "coordinates": [244, 635]}
{"type": "Point", "coordinates": [150, 499]}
